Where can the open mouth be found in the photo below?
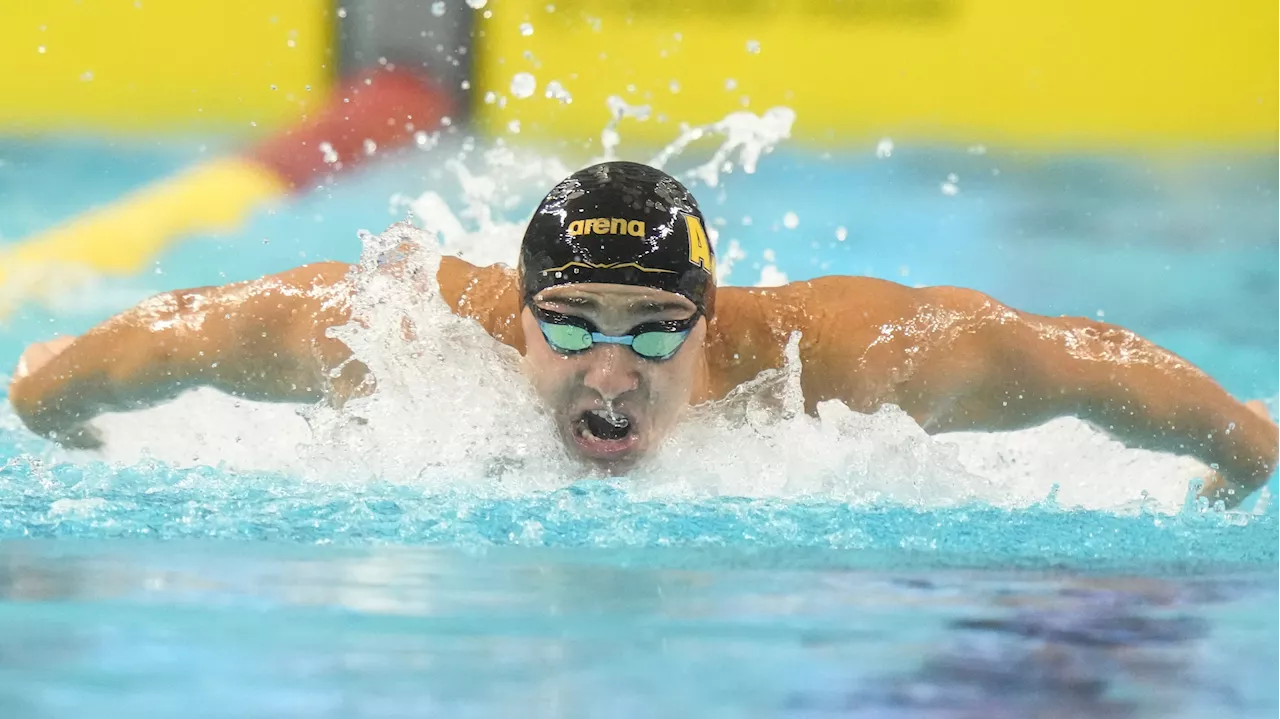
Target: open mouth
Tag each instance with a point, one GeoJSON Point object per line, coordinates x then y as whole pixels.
{"type": "Point", "coordinates": [604, 424]}
{"type": "Point", "coordinates": [604, 434]}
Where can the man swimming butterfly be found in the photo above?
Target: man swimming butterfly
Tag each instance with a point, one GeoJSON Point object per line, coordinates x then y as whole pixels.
{"type": "Point", "coordinates": [615, 309]}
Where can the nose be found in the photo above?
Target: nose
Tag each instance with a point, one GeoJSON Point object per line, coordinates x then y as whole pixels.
{"type": "Point", "coordinates": [611, 371]}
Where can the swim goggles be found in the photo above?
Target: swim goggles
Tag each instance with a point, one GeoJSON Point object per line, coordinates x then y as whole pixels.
{"type": "Point", "coordinates": [652, 340]}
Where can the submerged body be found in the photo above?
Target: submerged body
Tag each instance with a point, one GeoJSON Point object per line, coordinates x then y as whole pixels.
{"type": "Point", "coordinates": [615, 311]}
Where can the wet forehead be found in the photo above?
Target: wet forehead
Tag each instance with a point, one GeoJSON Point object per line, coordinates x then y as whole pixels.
{"type": "Point", "coordinates": [615, 299]}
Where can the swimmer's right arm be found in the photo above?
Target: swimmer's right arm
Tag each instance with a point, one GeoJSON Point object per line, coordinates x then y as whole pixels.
{"type": "Point", "coordinates": [263, 340]}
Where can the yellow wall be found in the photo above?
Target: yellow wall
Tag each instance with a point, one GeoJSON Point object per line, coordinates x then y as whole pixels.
{"type": "Point", "coordinates": [1075, 73]}
{"type": "Point", "coordinates": [146, 65]}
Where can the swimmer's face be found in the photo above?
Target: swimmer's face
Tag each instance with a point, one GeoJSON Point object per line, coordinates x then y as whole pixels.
{"type": "Point", "coordinates": [646, 396]}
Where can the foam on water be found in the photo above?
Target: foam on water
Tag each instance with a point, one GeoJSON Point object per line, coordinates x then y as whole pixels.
{"type": "Point", "coordinates": [451, 407]}
{"type": "Point", "coordinates": [452, 410]}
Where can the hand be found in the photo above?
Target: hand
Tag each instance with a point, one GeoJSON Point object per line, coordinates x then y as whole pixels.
{"type": "Point", "coordinates": [1216, 487]}
{"type": "Point", "coordinates": [73, 436]}
{"type": "Point", "coordinates": [1259, 408]}
{"type": "Point", "coordinates": [40, 354]}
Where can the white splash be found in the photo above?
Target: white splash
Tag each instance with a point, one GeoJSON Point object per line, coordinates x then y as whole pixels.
{"type": "Point", "coordinates": [744, 133]}
{"type": "Point", "coordinates": [759, 441]}
{"type": "Point", "coordinates": [451, 408]}
{"type": "Point", "coordinates": [505, 179]}
{"type": "Point", "coordinates": [771, 276]}
{"type": "Point", "coordinates": [556, 91]}
{"type": "Point", "coordinates": [619, 109]}
{"type": "Point", "coordinates": [726, 258]}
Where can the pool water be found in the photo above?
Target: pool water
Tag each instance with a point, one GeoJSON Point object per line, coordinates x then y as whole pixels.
{"type": "Point", "coordinates": [153, 588]}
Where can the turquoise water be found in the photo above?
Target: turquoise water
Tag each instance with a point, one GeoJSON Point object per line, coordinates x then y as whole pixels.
{"type": "Point", "coordinates": [155, 590]}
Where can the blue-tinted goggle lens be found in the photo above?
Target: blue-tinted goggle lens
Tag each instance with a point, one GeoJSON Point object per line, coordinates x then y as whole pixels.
{"type": "Point", "coordinates": [566, 338]}
{"type": "Point", "coordinates": [656, 344]}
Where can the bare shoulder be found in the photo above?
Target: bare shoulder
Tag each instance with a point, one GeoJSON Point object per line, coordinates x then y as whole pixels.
{"type": "Point", "coordinates": [316, 274]}
{"type": "Point", "coordinates": [885, 300]}
{"type": "Point", "coordinates": [489, 295]}
{"type": "Point", "coordinates": [851, 302]}
{"type": "Point", "coordinates": [464, 285]}
{"type": "Point", "coordinates": [864, 340]}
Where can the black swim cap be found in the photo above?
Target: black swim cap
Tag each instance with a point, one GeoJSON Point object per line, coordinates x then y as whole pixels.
{"type": "Point", "coordinates": [622, 223]}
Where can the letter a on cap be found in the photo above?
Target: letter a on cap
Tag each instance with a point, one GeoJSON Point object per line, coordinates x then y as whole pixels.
{"type": "Point", "coordinates": [699, 246]}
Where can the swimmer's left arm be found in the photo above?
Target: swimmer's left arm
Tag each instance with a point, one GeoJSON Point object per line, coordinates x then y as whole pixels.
{"type": "Point", "coordinates": [1016, 369]}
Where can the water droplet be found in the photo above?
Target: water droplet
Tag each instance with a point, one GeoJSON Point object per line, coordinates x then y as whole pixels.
{"type": "Point", "coordinates": [437, 8]}
{"type": "Point", "coordinates": [514, 127]}
{"type": "Point", "coordinates": [329, 154]}
{"type": "Point", "coordinates": [884, 148]}
{"type": "Point", "coordinates": [556, 91]}
{"type": "Point", "coordinates": [841, 234]}
{"type": "Point", "coordinates": [730, 84]}
{"type": "Point", "coordinates": [290, 43]}
{"type": "Point", "coordinates": [551, 8]}
{"type": "Point", "coordinates": [523, 85]}
{"type": "Point", "coordinates": [526, 29]}
{"type": "Point", "coordinates": [753, 47]}
{"type": "Point", "coordinates": [977, 149]}
{"type": "Point", "coordinates": [791, 220]}
{"type": "Point", "coordinates": [476, 4]}
{"type": "Point", "coordinates": [342, 12]}
{"type": "Point", "coordinates": [951, 187]}
{"type": "Point", "coordinates": [674, 86]}
{"type": "Point", "coordinates": [466, 85]}
{"type": "Point", "coordinates": [490, 97]}
{"type": "Point", "coordinates": [86, 76]}
{"type": "Point", "coordinates": [370, 146]}
{"type": "Point", "coordinates": [40, 49]}
{"type": "Point", "coordinates": [273, 87]}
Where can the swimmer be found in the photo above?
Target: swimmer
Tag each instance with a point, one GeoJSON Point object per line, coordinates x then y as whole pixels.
{"type": "Point", "coordinates": [616, 312]}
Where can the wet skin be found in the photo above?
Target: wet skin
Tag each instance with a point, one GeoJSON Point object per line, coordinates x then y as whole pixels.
{"type": "Point", "coordinates": [644, 396]}
{"type": "Point", "coordinates": [952, 358]}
